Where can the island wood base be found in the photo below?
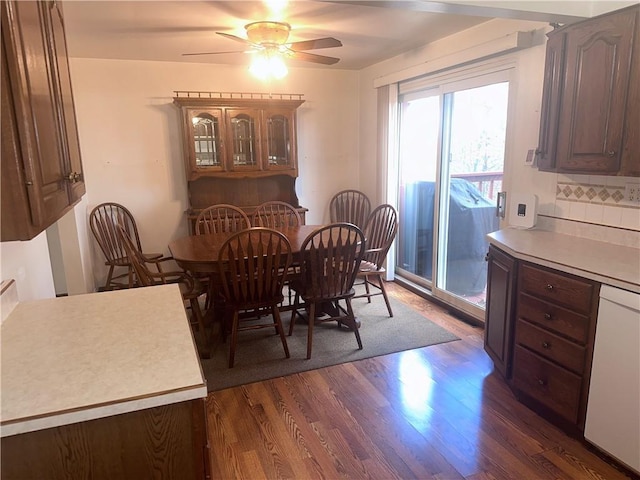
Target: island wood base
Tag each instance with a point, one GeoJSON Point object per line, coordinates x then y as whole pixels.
{"type": "Point", "coordinates": [169, 441]}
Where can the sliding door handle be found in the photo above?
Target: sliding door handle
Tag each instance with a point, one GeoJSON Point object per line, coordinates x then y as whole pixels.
{"type": "Point", "coordinates": [501, 204]}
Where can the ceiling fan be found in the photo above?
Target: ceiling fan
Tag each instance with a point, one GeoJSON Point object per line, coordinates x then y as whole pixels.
{"type": "Point", "coordinates": [271, 38]}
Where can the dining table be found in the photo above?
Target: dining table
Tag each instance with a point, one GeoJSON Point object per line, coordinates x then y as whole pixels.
{"type": "Point", "coordinates": [198, 254]}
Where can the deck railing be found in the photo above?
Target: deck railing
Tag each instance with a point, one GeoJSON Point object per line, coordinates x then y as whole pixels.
{"type": "Point", "coordinates": [489, 183]}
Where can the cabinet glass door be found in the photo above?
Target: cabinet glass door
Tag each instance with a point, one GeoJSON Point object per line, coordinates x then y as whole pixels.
{"type": "Point", "coordinates": [243, 139]}
{"type": "Point", "coordinates": [206, 140]}
{"type": "Point", "coordinates": [278, 141]}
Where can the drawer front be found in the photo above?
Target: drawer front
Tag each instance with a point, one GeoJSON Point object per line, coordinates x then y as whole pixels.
{"type": "Point", "coordinates": [550, 346]}
{"type": "Point", "coordinates": [548, 383]}
{"type": "Point", "coordinates": [553, 317]}
{"type": "Point", "coordinates": [567, 291]}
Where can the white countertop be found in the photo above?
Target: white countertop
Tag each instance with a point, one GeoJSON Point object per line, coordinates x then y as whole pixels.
{"type": "Point", "coordinates": [82, 357]}
{"type": "Point", "coordinates": [604, 262]}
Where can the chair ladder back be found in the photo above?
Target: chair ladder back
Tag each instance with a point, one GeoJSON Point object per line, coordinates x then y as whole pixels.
{"type": "Point", "coordinates": [351, 206]}
{"type": "Point", "coordinates": [276, 214]}
{"type": "Point", "coordinates": [380, 232]}
{"type": "Point", "coordinates": [103, 221]}
{"type": "Point", "coordinates": [331, 259]}
{"type": "Point", "coordinates": [221, 218]}
{"type": "Point", "coordinates": [253, 264]}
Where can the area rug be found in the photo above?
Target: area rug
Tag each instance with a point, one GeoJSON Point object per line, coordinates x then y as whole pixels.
{"type": "Point", "coordinates": [260, 356]}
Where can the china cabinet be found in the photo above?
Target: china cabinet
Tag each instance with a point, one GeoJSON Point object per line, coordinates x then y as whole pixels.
{"type": "Point", "coordinates": [239, 148]}
{"type": "Point", "coordinates": [42, 174]}
{"type": "Point", "coordinates": [590, 115]}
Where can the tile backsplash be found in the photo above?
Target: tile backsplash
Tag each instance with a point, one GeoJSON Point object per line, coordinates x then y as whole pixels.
{"type": "Point", "coordinates": [597, 200]}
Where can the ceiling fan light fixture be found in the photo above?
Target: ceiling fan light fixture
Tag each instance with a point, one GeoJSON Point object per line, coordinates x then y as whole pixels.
{"type": "Point", "coordinates": [270, 33]}
{"type": "Point", "coordinates": [268, 64]}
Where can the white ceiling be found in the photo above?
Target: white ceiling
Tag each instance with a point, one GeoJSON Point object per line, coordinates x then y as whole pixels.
{"type": "Point", "coordinates": [370, 31]}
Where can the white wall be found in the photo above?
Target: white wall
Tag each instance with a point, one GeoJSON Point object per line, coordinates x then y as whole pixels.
{"type": "Point", "coordinates": [28, 264]}
{"type": "Point", "coordinates": [130, 136]}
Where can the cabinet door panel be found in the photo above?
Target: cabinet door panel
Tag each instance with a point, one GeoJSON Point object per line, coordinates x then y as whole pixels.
{"type": "Point", "coordinates": [66, 109]}
{"type": "Point", "coordinates": [30, 73]}
{"type": "Point", "coordinates": [630, 163]}
{"type": "Point", "coordinates": [551, 96]}
{"type": "Point", "coordinates": [204, 142]}
{"type": "Point", "coordinates": [244, 138]}
{"type": "Point", "coordinates": [594, 99]}
{"type": "Point", "coordinates": [279, 143]}
{"type": "Point", "coordinates": [501, 274]}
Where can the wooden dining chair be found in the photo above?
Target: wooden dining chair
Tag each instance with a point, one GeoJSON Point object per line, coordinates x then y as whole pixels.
{"type": "Point", "coordinates": [276, 214]}
{"type": "Point", "coordinates": [102, 221]}
{"type": "Point", "coordinates": [190, 288]}
{"type": "Point", "coordinates": [380, 232]}
{"type": "Point", "coordinates": [253, 265]}
{"type": "Point", "coordinates": [221, 217]}
{"type": "Point", "coordinates": [331, 256]}
{"type": "Point", "coordinates": [350, 206]}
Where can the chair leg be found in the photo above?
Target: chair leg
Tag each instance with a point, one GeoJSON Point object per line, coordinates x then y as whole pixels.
{"type": "Point", "coordinates": [278, 321]}
{"type": "Point", "coordinates": [234, 338]}
{"type": "Point", "coordinates": [366, 286]}
{"type": "Point", "coordinates": [352, 321]}
{"type": "Point", "coordinates": [312, 316]}
{"type": "Point", "coordinates": [197, 313]}
{"type": "Point", "coordinates": [107, 284]}
{"type": "Point", "coordinates": [130, 275]}
{"type": "Point", "coordinates": [292, 322]}
{"type": "Point", "coordinates": [384, 294]}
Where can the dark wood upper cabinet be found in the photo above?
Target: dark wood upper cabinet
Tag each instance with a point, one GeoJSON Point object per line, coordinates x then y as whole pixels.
{"type": "Point", "coordinates": [591, 81]}
{"type": "Point", "coordinates": [42, 174]}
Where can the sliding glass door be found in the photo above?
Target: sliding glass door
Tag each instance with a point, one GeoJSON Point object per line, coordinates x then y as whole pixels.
{"type": "Point", "coordinates": [451, 163]}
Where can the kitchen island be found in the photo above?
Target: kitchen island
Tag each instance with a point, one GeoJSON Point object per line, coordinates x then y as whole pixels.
{"type": "Point", "coordinates": [104, 385]}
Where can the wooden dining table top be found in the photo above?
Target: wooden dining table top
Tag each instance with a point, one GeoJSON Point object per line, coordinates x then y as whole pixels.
{"type": "Point", "coordinates": [199, 253]}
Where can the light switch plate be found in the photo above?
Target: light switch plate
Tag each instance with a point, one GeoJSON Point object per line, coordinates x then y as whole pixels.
{"type": "Point", "coordinates": [531, 157]}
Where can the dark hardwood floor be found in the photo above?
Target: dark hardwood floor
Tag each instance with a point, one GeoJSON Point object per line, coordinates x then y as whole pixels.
{"type": "Point", "coordinates": [434, 413]}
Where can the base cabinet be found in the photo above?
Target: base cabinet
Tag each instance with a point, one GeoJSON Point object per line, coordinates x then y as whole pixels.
{"type": "Point", "coordinates": [540, 331]}
{"type": "Point", "coordinates": [162, 442]}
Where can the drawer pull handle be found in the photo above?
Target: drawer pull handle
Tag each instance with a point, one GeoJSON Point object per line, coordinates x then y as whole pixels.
{"type": "Point", "coordinates": [549, 286]}
{"type": "Point", "coordinates": [546, 345]}
{"type": "Point", "coordinates": [547, 316]}
{"type": "Point", "coordinates": [542, 382]}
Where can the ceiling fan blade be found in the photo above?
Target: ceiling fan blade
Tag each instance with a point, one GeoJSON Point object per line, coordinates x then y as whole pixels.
{"type": "Point", "coordinates": [215, 53]}
{"type": "Point", "coordinates": [327, 42]}
{"type": "Point", "coordinates": [312, 57]}
{"type": "Point", "coordinates": [234, 37]}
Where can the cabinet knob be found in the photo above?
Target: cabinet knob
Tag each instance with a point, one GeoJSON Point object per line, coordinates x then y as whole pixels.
{"type": "Point", "coordinates": [547, 316]}
{"type": "Point", "coordinates": [546, 345]}
{"type": "Point", "coordinates": [611, 153]}
{"type": "Point", "coordinates": [73, 177]}
{"type": "Point", "coordinates": [549, 287]}
{"type": "Point", "coordinates": [542, 382]}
